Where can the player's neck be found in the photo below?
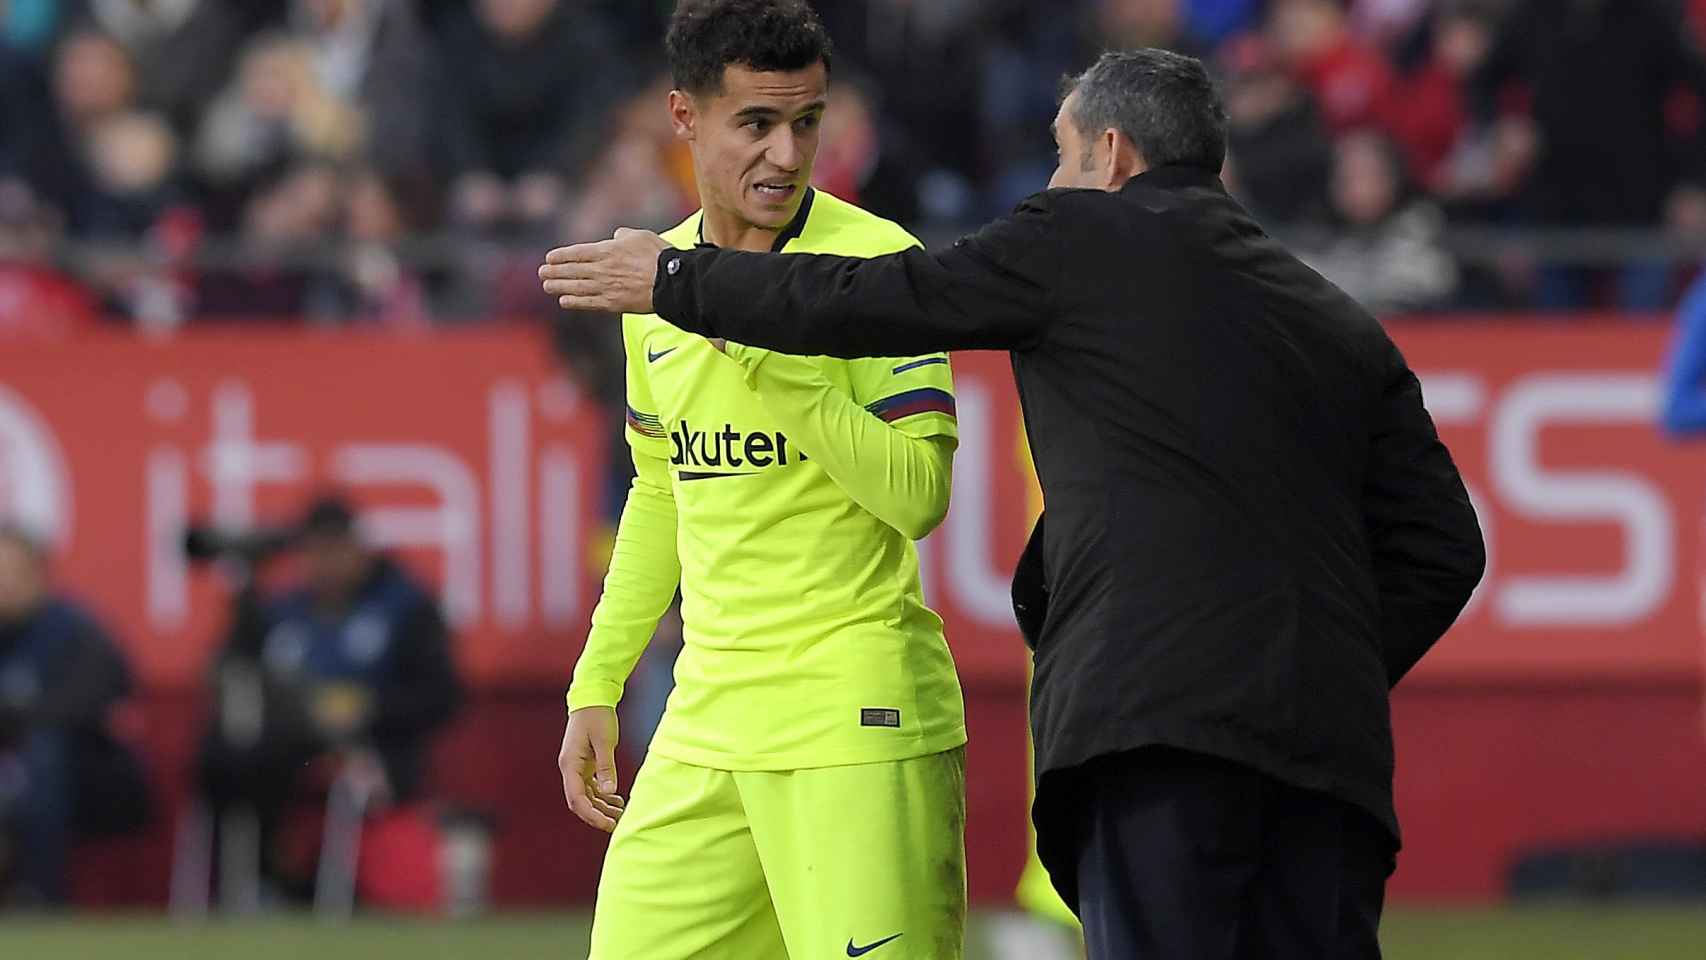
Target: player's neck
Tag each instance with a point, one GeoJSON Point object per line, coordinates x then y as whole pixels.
{"type": "Point", "coordinates": [726, 229]}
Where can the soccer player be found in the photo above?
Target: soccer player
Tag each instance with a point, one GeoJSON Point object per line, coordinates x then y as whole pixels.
{"type": "Point", "coordinates": [804, 795]}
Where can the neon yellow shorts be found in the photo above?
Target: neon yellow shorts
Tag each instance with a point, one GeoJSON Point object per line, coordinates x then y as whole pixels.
{"type": "Point", "coordinates": [1036, 892]}
{"type": "Point", "coordinates": [833, 862]}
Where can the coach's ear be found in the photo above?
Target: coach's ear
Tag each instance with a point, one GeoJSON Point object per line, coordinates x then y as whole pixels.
{"type": "Point", "coordinates": [1123, 159]}
{"type": "Point", "coordinates": [683, 114]}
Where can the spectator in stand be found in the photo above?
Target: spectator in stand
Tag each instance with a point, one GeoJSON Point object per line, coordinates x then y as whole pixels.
{"type": "Point", "coordinates": [183, 49]}
{"type": "Point", "coordinates": [20, 108]}
{"type": "Point", "coordinates": [1350, 80]}
{"type": "Point", "coordinates": [36, 298]}
{"type": "Point", "coordinates": [643, 175]}
{"type": "Point", "coordinates": [62, 771]}
{"type": "Point", "coordinates": [928, 59]}
{"type": "Point", "coordinates": [1278, 153]}
{"type": "Point", "coordinates": [274, 111]}
{"type": "Point", "coordinates": [132, 162]}
{"type": "Point", "coordinates": [531, 84]}
{"type": "Point", "coordinates": [111, 167]}
{"type": "Point", "coordinates": [289, 214]}
{"type": "Point", "coordinates": [115, 172]}
{"type": "Point", "coordinates": [1435, 96]}
{"type": "Point", "coordinates": [858, 164]}
{"type": "Point", "coordinates": [372, 56]}
{"type": "Point", "coordinates": [372, 285]}
{"type": "Point", "coordinates": [29, 27]}
{"type": "Point", "coordinates": [1385, 249]}
{"type": "Point", "coordinates": [1386, 22]}
{"type": "Point", "coordinates": [1030, 48]}
{"type": "Point", "coordinates": [1599, 77]}
{"type": "Point", "coordinates": [1215, 21]}
{"type": "Point", "coordinates": [1128, 24]}
{"type": "Point", "coordinates": [93, 80]}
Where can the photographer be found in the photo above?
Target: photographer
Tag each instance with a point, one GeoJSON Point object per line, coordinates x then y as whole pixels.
{"type": "Point", "coordinates": [61, 773]}
{"type": "Point", "coordinates": [350, 667]}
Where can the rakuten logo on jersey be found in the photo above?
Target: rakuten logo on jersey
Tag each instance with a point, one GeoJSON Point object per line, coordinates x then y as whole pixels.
{"type": "Point", "coordinates": [731, 452]}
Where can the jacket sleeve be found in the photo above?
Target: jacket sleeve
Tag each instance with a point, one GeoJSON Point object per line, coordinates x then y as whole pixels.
{"type": "Point", "coordinates": [1423, 535]}
{"type": "Point", "coordinates": [425, 691]}
{"type": "Point", "coordinates": [993, 290]}
{"type": "Point", "coordinates": [92, 677]}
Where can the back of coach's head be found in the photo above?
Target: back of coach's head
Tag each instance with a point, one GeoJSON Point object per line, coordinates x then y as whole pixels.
{"type": "Point", "coordinates": [1158, 106]}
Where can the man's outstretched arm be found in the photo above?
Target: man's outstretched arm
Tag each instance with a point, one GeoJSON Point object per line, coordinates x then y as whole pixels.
{"type": "Point", "coordinates": [993, 290]}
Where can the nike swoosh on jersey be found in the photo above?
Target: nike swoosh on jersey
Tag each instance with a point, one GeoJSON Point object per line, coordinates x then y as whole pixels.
{"type": "Point", "coordinates": [655, 357]}
{"type": "Point", "coordinates": [853, 951]}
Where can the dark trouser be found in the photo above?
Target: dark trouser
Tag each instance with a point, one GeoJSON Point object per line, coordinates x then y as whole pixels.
{"type": "Point", "coordinates": [1171, 854]}
{"type": "Point", "coordinates": [41, 815]}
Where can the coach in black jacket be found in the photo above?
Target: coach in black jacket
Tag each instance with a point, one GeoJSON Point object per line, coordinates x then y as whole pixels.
{"type": "Point", "coordinates": [1252, 528]}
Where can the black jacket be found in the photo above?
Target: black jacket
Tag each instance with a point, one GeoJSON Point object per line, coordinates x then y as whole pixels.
{"type": "Point", "coordinates": [1252, 528]}
{"type": "Point", "coordinates": [59, 669]}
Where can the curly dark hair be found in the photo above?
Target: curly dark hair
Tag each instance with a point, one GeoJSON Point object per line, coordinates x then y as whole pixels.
{"type": "Point", "coordinates": [706, 36]}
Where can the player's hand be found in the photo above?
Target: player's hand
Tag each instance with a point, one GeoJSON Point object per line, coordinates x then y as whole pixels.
{"type": "Point", "coordinates": [611, 276]}
{"type": "Point", "coordinates": [588, 764]}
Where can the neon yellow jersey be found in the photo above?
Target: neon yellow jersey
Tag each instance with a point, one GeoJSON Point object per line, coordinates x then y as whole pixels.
{"type": "Point", "coordinates": [807, 640]}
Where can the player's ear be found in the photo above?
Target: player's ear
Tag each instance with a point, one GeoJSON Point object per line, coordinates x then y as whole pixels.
{"type": "Point", "coordinates": [683, 114]}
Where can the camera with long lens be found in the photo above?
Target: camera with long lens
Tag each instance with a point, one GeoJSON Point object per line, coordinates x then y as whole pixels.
{"type": "Point", "coordinates": [204, 543]}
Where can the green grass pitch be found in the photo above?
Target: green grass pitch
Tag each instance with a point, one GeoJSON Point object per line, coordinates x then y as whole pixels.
{"type": "Point", "coordinates": [1553, 933]}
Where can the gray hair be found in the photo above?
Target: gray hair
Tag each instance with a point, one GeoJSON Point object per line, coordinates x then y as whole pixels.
{"type": "Point", "coordinates": [1165, 102]}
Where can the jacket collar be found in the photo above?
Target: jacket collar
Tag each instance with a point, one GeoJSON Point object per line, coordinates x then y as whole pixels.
{"type": "Point", "coordinates": [1174, 177]}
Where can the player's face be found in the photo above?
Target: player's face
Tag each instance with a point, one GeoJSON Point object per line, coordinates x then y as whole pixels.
{"type": "Point", "coordinates": [1076, 161]}
{"type": "Point", "coordinates": [754, 141]}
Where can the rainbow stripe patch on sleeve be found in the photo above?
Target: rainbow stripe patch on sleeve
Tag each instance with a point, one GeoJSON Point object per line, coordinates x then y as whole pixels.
{"type": "Point", "coordinates": [912, 403]}
{"type": "Point", "coordinates": [645, 424]}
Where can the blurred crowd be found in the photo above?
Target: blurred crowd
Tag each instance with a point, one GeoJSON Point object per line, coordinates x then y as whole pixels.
{"type": "Point", "coordinates": [402, 163]}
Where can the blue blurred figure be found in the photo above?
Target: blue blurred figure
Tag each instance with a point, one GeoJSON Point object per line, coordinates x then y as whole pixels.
{"type": "Point", "coordinates": [1685, 384]}
{"type": "Point", "coordinates": [61, 773]}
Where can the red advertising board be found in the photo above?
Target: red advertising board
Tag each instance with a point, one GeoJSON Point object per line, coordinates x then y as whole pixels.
{"type": "Point", "coordinates": [1592, 515]}
{"type": "Point", "coordinates": [485, 469]}
{"type": "Point", "coordinates": [470, 455]}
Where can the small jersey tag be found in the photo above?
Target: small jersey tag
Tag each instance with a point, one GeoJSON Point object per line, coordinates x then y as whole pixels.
{"type": "Point", "coordinates": [879, 717]}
